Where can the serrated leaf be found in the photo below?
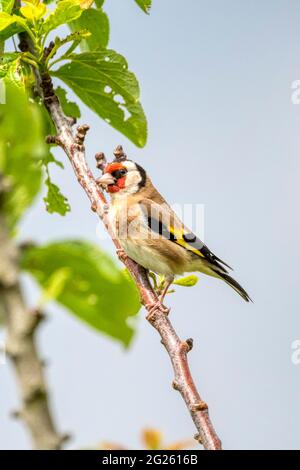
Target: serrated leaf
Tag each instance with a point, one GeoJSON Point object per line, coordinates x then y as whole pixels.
{"type": "Point", "coordinates": [96, 291]}
{"type": "Point", "coordinates": [70, 108]}
{"type": "Point", "coordinates": [55, 201]}
{"type": "Point", "coordinates": [95, 21]}
{"type": "Point", "coordinates": [75, 38]}
{"type": "Point", "coordinates": [145, 5]}
{"type": "Point", "coordinates": [51, 159]}
{"type": "Point", "coordinates": [20, 152]}
{"type": "Point", "coordinates": [187, 281]}
{"type": "Point", "coordinates": [10, 25]}
{"type": "Point", "coordinates": [65, 11]}
{"type": "Point", "coordinates": [6, 5]}
{"type": "Point", "coordinates": [103, 82]}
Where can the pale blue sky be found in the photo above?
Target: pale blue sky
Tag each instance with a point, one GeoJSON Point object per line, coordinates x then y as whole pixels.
{"type": "Point", "coordinates": [216, 85]}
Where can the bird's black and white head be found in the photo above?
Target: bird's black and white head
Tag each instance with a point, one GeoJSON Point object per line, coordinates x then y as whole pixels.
{"type": "Point", "coordinates": [123, 178]}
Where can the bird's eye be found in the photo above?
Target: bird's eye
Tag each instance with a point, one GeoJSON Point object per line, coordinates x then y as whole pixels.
{"type": "Point", "coordinates": [119, 173]}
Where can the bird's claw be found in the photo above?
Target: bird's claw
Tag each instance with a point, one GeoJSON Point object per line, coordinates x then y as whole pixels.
{"type": "Point", "coordinates": [122, 255]}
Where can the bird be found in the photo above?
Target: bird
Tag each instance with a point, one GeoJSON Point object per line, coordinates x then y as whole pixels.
{"type": "Point", "coordinates": [150, 232]}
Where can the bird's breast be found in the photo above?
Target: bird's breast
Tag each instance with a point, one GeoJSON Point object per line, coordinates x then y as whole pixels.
{"type": "Point", "coordinates": [147, 256]}
{"type": "Point", "coordinates": [147, 248]}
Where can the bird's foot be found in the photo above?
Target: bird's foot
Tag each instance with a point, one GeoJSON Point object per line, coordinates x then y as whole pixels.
{"type": "Point", "coordinates": [122, 255]}
{"type": "Point", "coordinates": [166, 287]}
{"type": "Point", "coordinates": [152, 308]}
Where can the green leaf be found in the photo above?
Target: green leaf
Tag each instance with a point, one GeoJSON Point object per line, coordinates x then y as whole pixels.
{"type": "Point", "coordinates": [145, 5]}
{"type": "Point", "coordinates": [10, 25]}
{"type": "Point", "coordinates": [20, 152]}
{"type": "Point", "coordinates": [65, 11]}
{"type": "Point", "coordinates": [187, 281]}
{"type": "Point", "coordinates": [99, 3]}
{"type": "Point", "coordinates": [93, 288]}
{"type": "Point", "coordinates": [6, 5]}
{"type": "Point", "coordinates": [5, 20]}
{"type": "Point", "coordinates": [10, 31]}
{"type": "Point", "coordinates": [69, 108]}
{"type": "Point", "coordinates": [75, 38]}
{"type": "Point", "coordinates": [6, 61]}
{"type": "Point", "coordinates": [15, 70]}
{"type": "Point", "coordinates": [103, 82]}
{"type": "Point", "coordinates": [55, 201]}
{"type": "Point", "coordinates": [55, 284]}
{"type": "Point", "coordinates": [95, 21]}
{"type": "Point", "coordinates": [51, 159]}
{"type": "Point", "coordinates": [15, 24]}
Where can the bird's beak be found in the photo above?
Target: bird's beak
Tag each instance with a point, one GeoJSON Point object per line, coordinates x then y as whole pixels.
{"type": "Point", "coordinates": [106, 179]}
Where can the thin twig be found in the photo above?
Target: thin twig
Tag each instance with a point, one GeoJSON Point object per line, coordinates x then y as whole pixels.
{"type": "Point", "coordinates": [21, 324]}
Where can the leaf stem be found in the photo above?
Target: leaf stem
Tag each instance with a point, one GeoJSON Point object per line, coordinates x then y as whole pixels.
{"type": "Point", "coordinates": [30, 33]}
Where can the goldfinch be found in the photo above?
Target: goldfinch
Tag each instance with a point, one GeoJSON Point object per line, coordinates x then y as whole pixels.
{"type": "Point", "coordinates": [150, 232]}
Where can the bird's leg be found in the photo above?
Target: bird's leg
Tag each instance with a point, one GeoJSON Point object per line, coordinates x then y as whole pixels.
{"type": "Point", "coordinates": [159, 304]}
{"type": "Point", "coordinates": [168, 282]}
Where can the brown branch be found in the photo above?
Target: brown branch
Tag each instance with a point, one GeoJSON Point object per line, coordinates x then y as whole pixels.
{"type": "Point", "coordinates": [21, 324]}
{"type": "Point", "coordinates": [73, 145]}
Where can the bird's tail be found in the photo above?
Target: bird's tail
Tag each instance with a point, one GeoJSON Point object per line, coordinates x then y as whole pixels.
{"type": "Point", "coordinates": [234, 284]}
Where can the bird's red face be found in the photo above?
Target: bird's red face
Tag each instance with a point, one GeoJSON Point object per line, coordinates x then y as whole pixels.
{"type": "Point", "coordinates": [116, 177]}
{"type": "Point", "coordinates": [123, 177]}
